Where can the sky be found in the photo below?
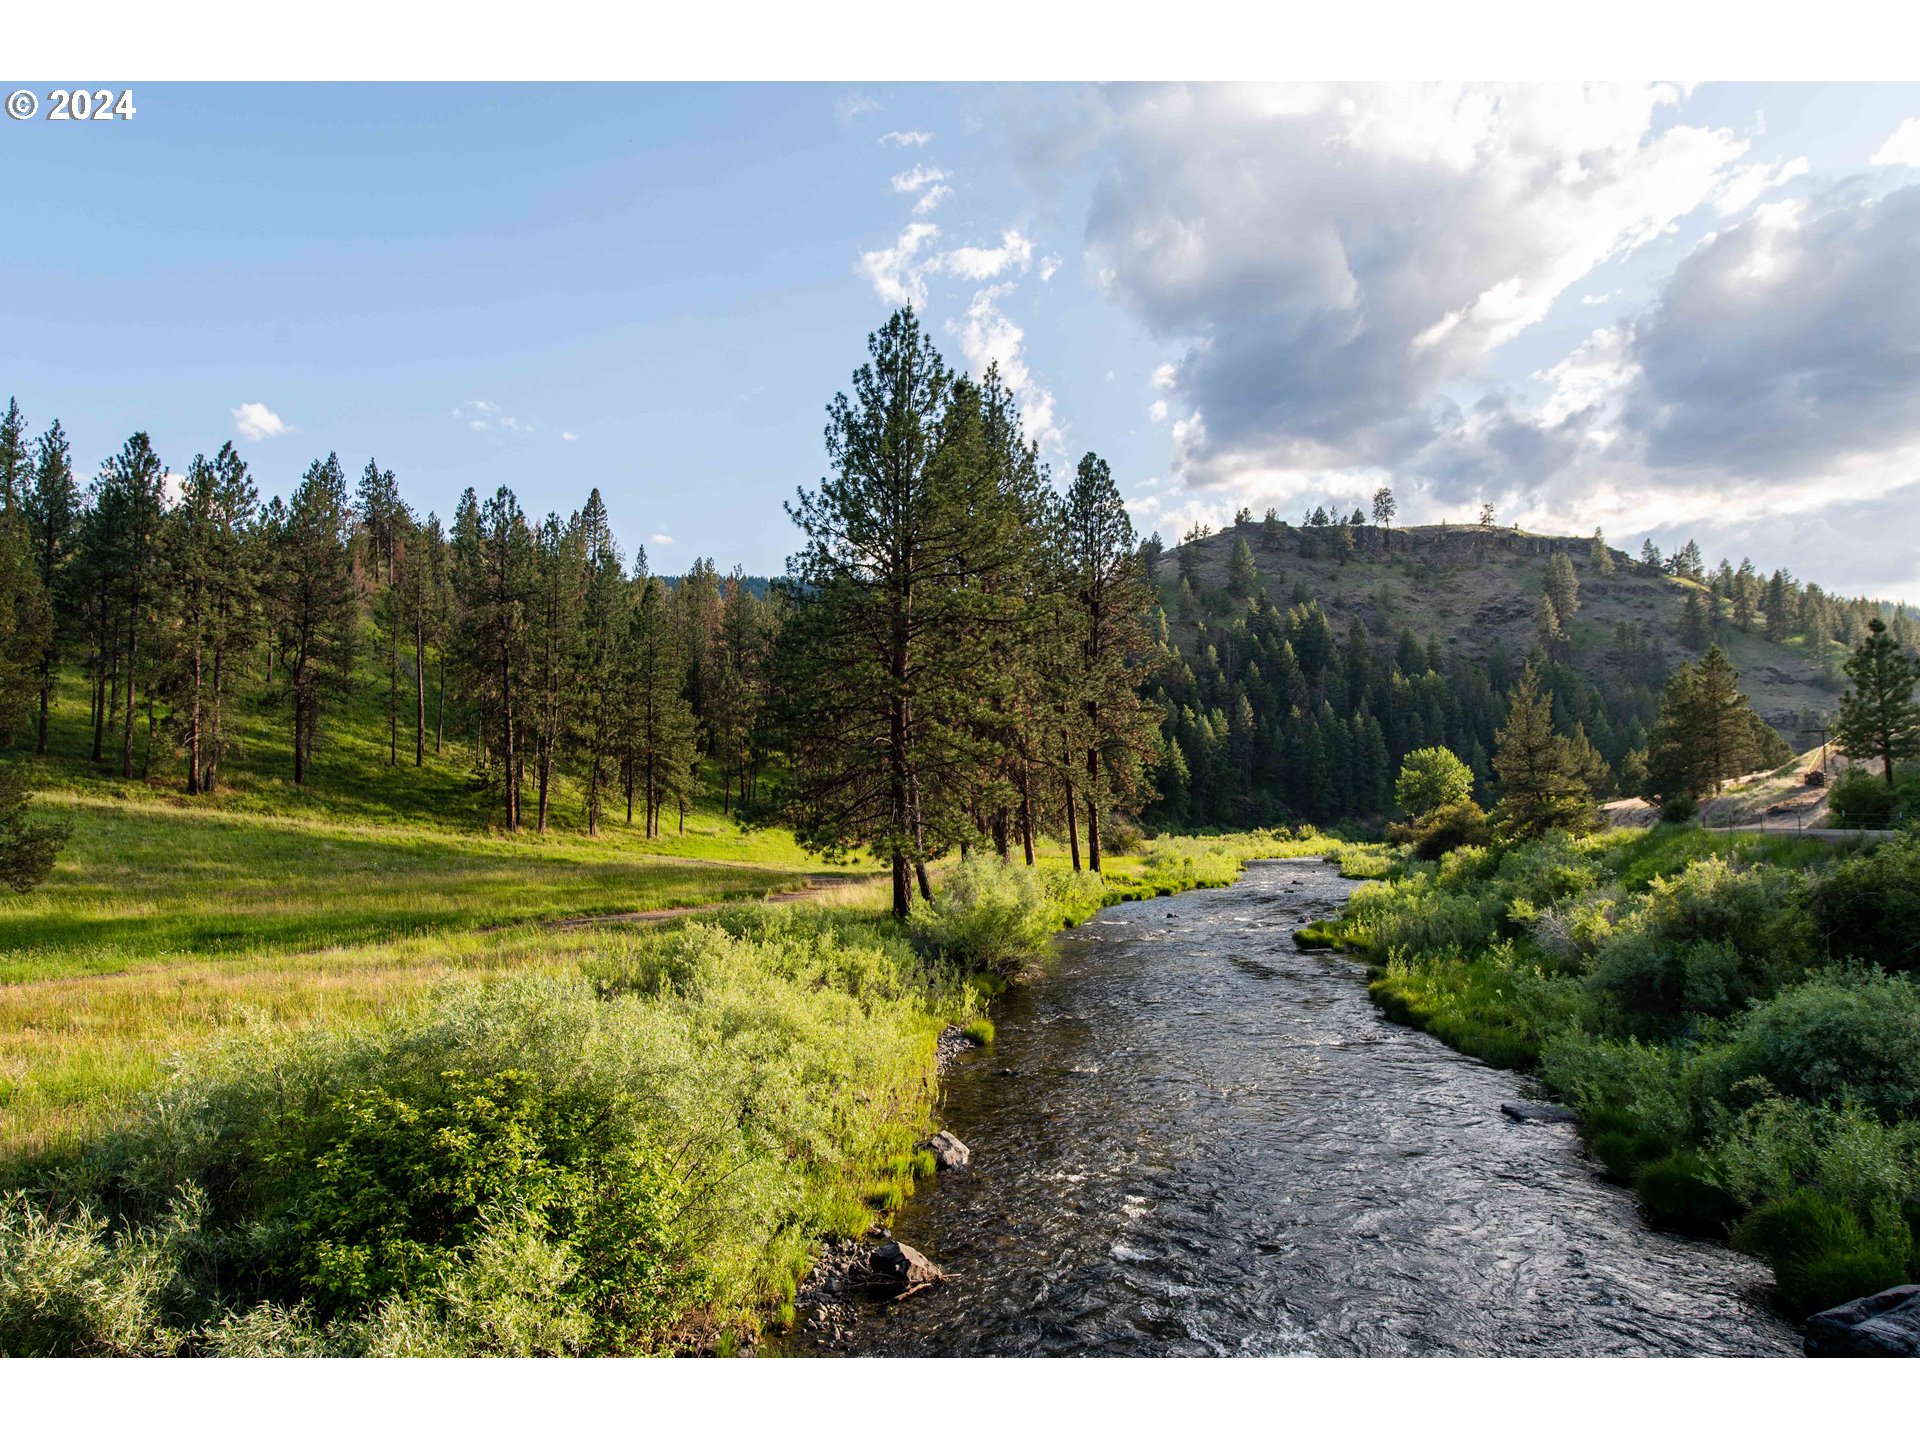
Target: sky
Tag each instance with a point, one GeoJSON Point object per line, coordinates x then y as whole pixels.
{"type": "Point", "coordinates": [1661, 310]}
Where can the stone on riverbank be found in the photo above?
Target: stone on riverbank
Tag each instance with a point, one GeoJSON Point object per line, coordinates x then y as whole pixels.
{"type": "Point", "coordinates": [1537, 1111]}
{"type": "Point", "coordinates": [948, 1151]}
{"type": "Point", "coordinates": [900, 1264]}
{"type": "Point", "coordinates": [1886, 1325]}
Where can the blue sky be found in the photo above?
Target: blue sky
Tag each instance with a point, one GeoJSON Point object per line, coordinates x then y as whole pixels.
{"type": "Point", "coordinates": [1542, 298]}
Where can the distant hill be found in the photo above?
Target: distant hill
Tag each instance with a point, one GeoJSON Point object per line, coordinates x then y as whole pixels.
{"type": "Point", "coordinates": [1475, 586]}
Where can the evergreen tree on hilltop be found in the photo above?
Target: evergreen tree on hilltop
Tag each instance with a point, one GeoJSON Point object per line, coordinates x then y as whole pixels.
{"type": "Point", "coordinates": [1242, 573]}
{"type": "Point", "coordinates": [1707, 733]}
{"type": "Point", "coordinates": [1878, 715]}
{"type": "Point", "coordinates": [1541, 788]}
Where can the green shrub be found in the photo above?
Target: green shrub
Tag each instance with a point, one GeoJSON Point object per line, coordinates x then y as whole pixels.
{"type": "Point", "coordinates": [990, 915]}
{"type": "Point", "coordinates": [1868, 905]}
{"type": "Point", "coordinates": [1681, 1192]}
{"type": "Point", "coordinates": [1820, 1253]}
{"type": "Point", "coordinates": [1703, 944]}
{"type": "Point", "coordinates": [1430, 779]}
{"type": "Point", "coordinates": [1679, 810]}
{"type": "Point", "coordinates": [1447, 828]}
{"type": "Point", "coordinates": [1861, 800]}
{"type": "Point", "coordinates": [1845, 1034]}
{"type": "Point", "coordinates": [71, 1286]}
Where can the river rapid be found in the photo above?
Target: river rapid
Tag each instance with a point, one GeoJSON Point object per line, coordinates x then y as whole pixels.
{"type": "Point", "coordinates": [1191, 1138]}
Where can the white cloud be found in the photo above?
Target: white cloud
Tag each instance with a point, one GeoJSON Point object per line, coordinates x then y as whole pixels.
{"type": "Point", "coordinates": [568, 435]}
{"type": "Point", "coordinates": [972, 262]}
{"type": "Point", "coordinates": [1902, 147]}
{"type": "Point", "coordinates": [485, 415]}
{"type": "Point", "coordinates": [852, 106]}
{"type": "Point", "coordinates": [1049, 267]}
{"type": "Point", "coordinates": [1749, 182]}
{"type": "Point", "coordinates": [660, 540]}
{"type": "Point", "coordinates": [989, 337]}
{"type": "Point", "coordinates": [906, 137]}
{"type": "Point", "coordinates": [1601, 299]}
{"type": "Point", "coordinates": [930, 201]}
{"type": "Point", "coordinates": [918, 178]}
{"type": "Point", "coordinates": [254, 421]}
{"type": "Point", "coordinates": [1334, 263]}
{"type": "Point", "coordinates": [897, 277]}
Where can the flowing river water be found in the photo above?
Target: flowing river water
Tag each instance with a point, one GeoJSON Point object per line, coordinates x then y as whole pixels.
{"type": "Point", "coordinates": [1191, 1138]}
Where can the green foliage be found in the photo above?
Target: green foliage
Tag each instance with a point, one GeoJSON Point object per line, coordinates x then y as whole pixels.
{"type": "Point", "coordinates": [1682, 1193]}
{"type": "Point", "coordinates": [1679, 809]}
{"type": "Point", "coordinates": [1542, 786]}
{"type": "Point", "coordinates": [1879, 716]}
{"type": "Point", "coordinates": [1431, 778]}
{"type": "Point", "coordinates": [1846, 1035]}
{"type": "Point", "coordinates": [1447, 828]}
{"type": "Point", "coordinates": [998, 917]}
{"type": "Point", "coordinates": [1704, 944]}
{"type": "Point", "coordinates": [1868, 906]}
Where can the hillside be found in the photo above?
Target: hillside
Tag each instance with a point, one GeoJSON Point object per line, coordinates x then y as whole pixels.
{"type": "Point", "coordinates": [1474, 587]}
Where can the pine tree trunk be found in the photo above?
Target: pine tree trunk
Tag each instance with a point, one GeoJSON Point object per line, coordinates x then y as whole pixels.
{"type": "Point", "coordinates": [218, 738]}
{"type": "Point", "coordinates": [193, 726]}
{"type": "Point", "coordinates": [1073, 822]}
{"type": "Point", "coordinates": [440, 731]}
{"type": "Point", "coordinates": [46, 696]}
{"type": "Point", "coordinates": [1026, 813]}
{"type": "Point", "coordinates": [393, 694]}
{"type": "Point", "coordinates": [1093, 810]}
{"type": "Point", "coordinates": [133, 657]}
{"type": "Point", "coordinates": [419, 696]}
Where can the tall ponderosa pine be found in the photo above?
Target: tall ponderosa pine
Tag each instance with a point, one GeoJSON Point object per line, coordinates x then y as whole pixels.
{"type": "Point", "coordinates": [132, 486]}
{"type": "Point", "coordinates": [596, 713]}
{"type": "Point", "coordinates": [1878, 715]}
{"type": "Point", "coordinates": [314, 603]}
{"type": "Point", "coordinates": [51, 510]}
{"type": "Point", "coordinates": [1108, 617]}
{"type": "Point", "coordinates": [890, 630]}
{"type": "Point", "coordinates": [1707, 732]}
{"type": "Point", "coordinates": [210, 576]}
{"type": "Point", "coordinates": [495, 579]}
{"type": "Point", "coordinates": [658, 738]}
{"type": "Point", "coordinates": [553, 643]}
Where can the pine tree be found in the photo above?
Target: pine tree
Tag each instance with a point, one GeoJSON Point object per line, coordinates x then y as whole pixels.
{"type": "Point", "coordinates": [1540, 784]}
{"type": "Point", "coordinates": [1878, 715]}
{"type": "Point", "coordinates": [1563, 588]}
{"type": "Point", "coordinates": [314, 604]}
{"type": "Point", "coordinates": [881, 655]}
{"type": "Point", "coordinates": [132, 487]}
{"type": "Point", "coordinates": [52, 513]}
{"type": "Point", "coordinates": [658, 739]}
{"type": "Point", "coordinates": [597, 714]}
{"type": "Point", "coordinates": [209, 565]}
{"type": "Point", "coordinates": [1385, 507]}
{"type": "Point", "coordinates": [1242, 574]}
{"type": "Point", "coordinates": [1600, 555]}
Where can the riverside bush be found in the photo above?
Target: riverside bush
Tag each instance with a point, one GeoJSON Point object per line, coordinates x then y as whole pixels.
{"type": "Point", "coordinates": [1843, 1035]}
{"type": "Point", "coordinates": [1703, 944]}
{"type": "Point", "coordinates": [998, 917]}
{"type": "Point", "coordinates": [1868, 905]}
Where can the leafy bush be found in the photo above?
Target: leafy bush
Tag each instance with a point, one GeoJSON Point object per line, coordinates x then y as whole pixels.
{"type": "Point", "coordinates": [1447, 828]}
{"type": "Point", "coordinates": [68, 1286]}
{"type": "Point", "coordinates": [1861, 800]}
{"type": "Point", "coordinates": [1820, 1253]}
{"type": "Point", "coordinates": [1868, 906]}
{"type": "Point", "coordinates": [1432, 778]}
{"type": "Point", "coordinates": [1843, 1035]}
{"type": "Point", "coordinates": [1679, 810]}
{"type": "Point", "coordinates": [1681, 1192]}
{"type": "Point", "coordinates": [1704, 944]}
{"type": "Point", "coordinates": [993, 916]}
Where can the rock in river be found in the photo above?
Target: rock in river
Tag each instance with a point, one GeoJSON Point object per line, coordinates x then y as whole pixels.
{"type": "Point", "coordinates": [1887, 1324]}
{"type": "Point", "coordinates": [904, 1265]}
{"type": "Point", "coordinates": [1537, 1111]}
{"type": "Point", "coordinates": [948, 1152]}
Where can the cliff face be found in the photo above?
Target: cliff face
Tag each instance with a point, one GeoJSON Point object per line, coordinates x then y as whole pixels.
{"type": "Point", "coordinates": [1473, 585]}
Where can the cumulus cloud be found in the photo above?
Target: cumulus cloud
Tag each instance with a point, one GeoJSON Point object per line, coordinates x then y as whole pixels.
{"type": "Point", "coordinates": [1333, 262]}
{"type": "Point", "coordinates": [254, 421]}
{"type": "Point", "coordinates": [660, 540]}
{"type": "Point", "coordinates": [568, 435]}
{"type": "Point", "coordinates": [973, 262]}
{"type": "Point", "coordinates": [918, 178]}
{"type": "Point", "coordinates": [906, 137]}
{"type": "Point", "coordinates": [988, 336]}
{"type": "Point", "coordinates": [930, 201]}
{"type": "Point", "coordinates": [1902, 147]}
{"type": "Point", "coordinates": [897, 272]}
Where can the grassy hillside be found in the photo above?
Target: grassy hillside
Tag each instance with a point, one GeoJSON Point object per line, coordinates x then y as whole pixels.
{"type": "Point", "coordinates": [1473, 586]}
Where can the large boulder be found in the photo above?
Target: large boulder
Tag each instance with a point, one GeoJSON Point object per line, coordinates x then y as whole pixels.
{"type": "Point", "coordinates": [948, 1152]}
{"type": "Point", "coordinates": [897, 1264]}
{"type": "Point", "coordinates": [1882, 1326]}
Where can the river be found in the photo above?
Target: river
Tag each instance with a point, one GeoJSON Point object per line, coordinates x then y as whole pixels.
{"type": "Point", "coordinates": [1193, 1139]}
